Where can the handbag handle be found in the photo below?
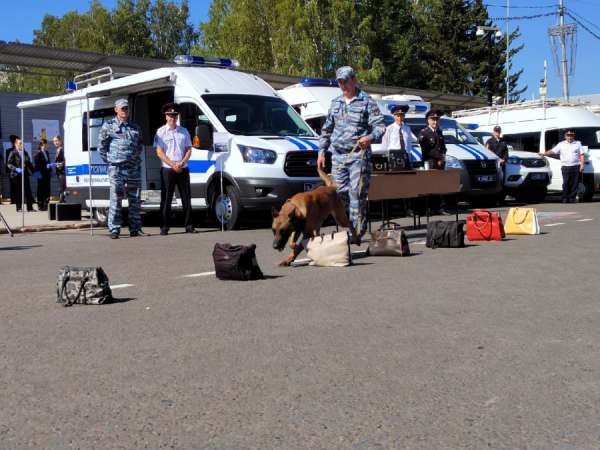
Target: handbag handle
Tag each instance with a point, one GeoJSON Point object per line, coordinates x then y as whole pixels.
{"type": "Point", "coordinates": [64, 298]}
{"type": "Point", "coordinates": [489, 218]}
{"type": "Point", "coordinates": [524, 218]}
{"type": "Point", "coordinates": [439, 240]}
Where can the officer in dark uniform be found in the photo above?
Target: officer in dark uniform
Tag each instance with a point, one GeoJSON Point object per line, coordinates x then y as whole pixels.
{"type": "Point", "coordinates": [433, 150]}
{"type": "Point", "coordinates": [497, 145]}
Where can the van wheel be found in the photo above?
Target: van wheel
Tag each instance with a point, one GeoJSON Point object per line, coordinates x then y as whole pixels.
{"type": "Point", "coordinates": [585, 191]}
{"type": "Point", "coordinates": [101, 216]}
{"type": "Point", "coordinates": [227, 208]}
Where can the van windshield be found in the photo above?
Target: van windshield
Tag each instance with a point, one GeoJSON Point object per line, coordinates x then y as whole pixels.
{"type": "Point", "coordinates": [454, 133]}
{"type": "Point", "coordinates": [589, 136]}
{"type": "Point", "coordinates": [256, 115]}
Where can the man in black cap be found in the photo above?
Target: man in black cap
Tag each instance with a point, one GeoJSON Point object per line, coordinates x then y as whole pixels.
{"type": "Point", "coordinates": [174, 148]}
{"type": "Point", "coordinates": [12, 138]}
{"type": "Point", "coordinates": [497, 145]}
{"type": "Point", "coordinates": [398, 135]}
{"type": "Point", "coordinates": [572, 159]}
{"type": "Point", "coordinates": [433, 150]}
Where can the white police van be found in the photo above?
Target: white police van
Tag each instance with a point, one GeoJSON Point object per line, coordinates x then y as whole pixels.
{"type": "Point", "coordinates": [537, 126]}
{"type": "Point", "coordinates": [526, 175]}
{"type": "Point", "coordinates": [251, 150]}
{"type": "Point", "coordinates": [480, 171]}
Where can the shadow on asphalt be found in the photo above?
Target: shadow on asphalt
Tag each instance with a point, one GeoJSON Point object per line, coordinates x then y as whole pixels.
{"type": "Point", "coordinates": [20, 247]}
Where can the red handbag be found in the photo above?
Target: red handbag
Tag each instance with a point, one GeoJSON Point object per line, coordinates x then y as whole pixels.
{"type": "Point", "coordinates": [484, 225]}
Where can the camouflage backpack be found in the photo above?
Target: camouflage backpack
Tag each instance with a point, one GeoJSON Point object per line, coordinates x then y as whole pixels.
{"type": "Point", "coordinates": [87, 285]}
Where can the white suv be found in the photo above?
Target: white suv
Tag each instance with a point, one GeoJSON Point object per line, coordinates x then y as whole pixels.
{"type": "Point", "coordinates": [526, 175]}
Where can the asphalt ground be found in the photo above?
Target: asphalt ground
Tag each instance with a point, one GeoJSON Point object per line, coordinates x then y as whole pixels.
{"type": "Point", "coordinates": [494, 345]}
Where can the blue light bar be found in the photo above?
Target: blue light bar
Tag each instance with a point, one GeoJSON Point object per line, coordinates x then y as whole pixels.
{"type": "Point", "coordinates": [318, 82]}
{"type": "Point", "coordinates": [470, 126]}
{"type": "Point", "coordinates": [420, 108]}
{"type": "Point", "coordinates": [189, 60]}
{"type": "Point", "coordinates": [70, 87]}
{"type": "Point", "coordinates": [411, 107]}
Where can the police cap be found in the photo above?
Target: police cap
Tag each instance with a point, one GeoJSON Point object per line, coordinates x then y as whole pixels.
{"type": "Point", "coordinates": [122, 103]}
{"type": "Point", "coordinates": [569, 131]}
{"type": "Point", "coordinates": [170, 108]}
{"type": "Point", "coordinates": [343, 73]}
{"type": "Point", "coordinates": [399, 109]}
{"type": "Point", "coordinates": [433, 114]}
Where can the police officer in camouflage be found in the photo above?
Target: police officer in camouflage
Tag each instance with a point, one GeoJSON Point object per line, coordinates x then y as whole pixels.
{"type": "Point", "coordinates": [120, 145]}
{"type": "Point", "coordinates": [353, 118]}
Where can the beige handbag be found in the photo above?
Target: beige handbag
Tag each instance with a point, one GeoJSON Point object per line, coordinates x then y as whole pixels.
{"type": "Point", "coordinates": [522, 221]}
{"type": "Point", "coordinates": [329, 250]}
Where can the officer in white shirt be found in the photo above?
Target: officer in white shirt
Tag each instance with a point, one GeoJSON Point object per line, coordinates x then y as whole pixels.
{"type": "Point", "coordinates": [174, 148]}
{"type": "Point", "coordinates": [572, 159]}
{"type": "Point", "coordinates": [392, 138]}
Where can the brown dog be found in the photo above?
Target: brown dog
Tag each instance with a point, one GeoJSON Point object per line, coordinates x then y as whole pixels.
{"type": "Point", "coordinates": [304, 213]}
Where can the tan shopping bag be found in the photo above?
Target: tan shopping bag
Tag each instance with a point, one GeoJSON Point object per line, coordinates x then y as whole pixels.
{"type": "Point", "coordinates": [522, 221]}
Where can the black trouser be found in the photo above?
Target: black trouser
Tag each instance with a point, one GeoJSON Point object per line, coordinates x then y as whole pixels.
{"type": "Point", "coordinates": [17, 190]}
{"type": "Point", "coordinates": [13, 200]}
{"type": "Point", "coordinates": [436, 202]}
{"type": "Point", "coordinates": [62, 186]}
{"type": "Point", "coordinates": [43, 191]}
{"type": "Point", "coordinates": [570, 176]}
{"type": "Point", "coordinates": [168, 180]}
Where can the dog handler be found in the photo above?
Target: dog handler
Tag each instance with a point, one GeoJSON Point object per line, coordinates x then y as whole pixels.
{"type": "Point", "coordinates": [353, 118]}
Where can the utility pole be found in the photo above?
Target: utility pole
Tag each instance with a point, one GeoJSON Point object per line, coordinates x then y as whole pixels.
{"type": "Point", "coordinates": [563, 48]}
{"type": "Point", "coordinates": [507, 101]}
{"type": "Point", "coordinates": [567, 35]}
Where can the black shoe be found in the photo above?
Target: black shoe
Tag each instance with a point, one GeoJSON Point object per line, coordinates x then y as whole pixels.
{"type": "Point", "coordinates": [18, 210]}
{"type": "Point", "coordinates": [164, 232]}
{"type": "Point", "coordinates": [138, 233]}
{"type": "Point", "coordinates": [114, 235]}
{"type": "Point", "coordinates": [410, 213]}
{"type": "Point", "coordinates": [191, 230]}
{"type": "Point", "coordinates": [565, 200]}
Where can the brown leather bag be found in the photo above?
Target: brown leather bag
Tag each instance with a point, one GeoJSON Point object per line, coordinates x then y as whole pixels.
{"type": "Point", "coordinates": [390, 241]}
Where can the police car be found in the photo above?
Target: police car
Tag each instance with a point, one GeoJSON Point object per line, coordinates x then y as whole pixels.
{"type": "Point", "coordinates": [526, 175]}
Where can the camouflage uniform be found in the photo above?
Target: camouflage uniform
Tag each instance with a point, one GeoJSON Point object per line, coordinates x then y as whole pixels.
{"type": "Point", "coordinates": [120, 145]}
{"type": "Point", "coordinates": [344, 126]}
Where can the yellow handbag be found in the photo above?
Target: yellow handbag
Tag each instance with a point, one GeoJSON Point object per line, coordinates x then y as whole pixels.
{"type": "Point", "coordinates": [522, 221]}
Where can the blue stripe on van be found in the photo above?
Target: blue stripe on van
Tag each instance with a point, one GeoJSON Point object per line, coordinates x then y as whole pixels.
{"type": "Point", "coordinates": [416, 153]}
{"type": "Point", "coordinates": [97, 169]}
{"type": "Point", "coordinates": [301, 145]}
{"type": "Point", "coordinates": [479, 152]}
{"type": "Point", "coordinates": [468, 150]}
{"type": "Point", "coordinates": [200, 166]}
{"type": "Point", "coordinates": [309, 143]}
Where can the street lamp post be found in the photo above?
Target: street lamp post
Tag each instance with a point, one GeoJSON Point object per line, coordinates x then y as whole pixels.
{"type": "Point", "coordinates": [489, 31]}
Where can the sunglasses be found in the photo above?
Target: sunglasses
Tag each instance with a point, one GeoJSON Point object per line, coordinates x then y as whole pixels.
{"type": "Point", "coordinates": [125, 108]}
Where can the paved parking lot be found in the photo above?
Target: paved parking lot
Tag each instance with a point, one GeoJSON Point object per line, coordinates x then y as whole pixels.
{"type": "Point", "coordinates": [494, 345]}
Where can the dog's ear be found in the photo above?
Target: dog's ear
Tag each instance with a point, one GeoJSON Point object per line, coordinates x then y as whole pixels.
{"type": "Point", "coordinates": [274, 212]}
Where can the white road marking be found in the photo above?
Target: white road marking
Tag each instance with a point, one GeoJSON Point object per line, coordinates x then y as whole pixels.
{"type": "Point", "coordinates": [121, 286]}
{"type": "Point", "coordinates": [583, 220]}
{"type": "Point", "coordinates": [553, 224]}
{"type": "Point", "coordinates": [302, 260]}
{"type": "Point", "coordinates": [203, 274]}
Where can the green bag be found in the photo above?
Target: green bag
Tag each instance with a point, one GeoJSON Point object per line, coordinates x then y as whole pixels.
{"type": "Point", "coordinates": [86, 285]}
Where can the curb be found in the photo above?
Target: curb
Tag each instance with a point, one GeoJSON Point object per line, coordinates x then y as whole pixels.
{"type": "Point", "coordinates": [38, 228]}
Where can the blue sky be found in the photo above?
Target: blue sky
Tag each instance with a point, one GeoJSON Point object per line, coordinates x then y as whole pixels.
{"type": "Point", "coordinates": [27, 15]}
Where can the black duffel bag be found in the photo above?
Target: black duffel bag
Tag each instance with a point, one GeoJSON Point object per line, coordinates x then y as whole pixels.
{"type": "Point", "coordinates": [86, 285]}
{"type": "Point", "coordinates": [445, 234]}
{"type": "Point", "coordinates": [236, 262]}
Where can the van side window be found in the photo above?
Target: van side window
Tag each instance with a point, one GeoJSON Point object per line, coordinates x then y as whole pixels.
{"type": "Point", "coordinates": [97, 118]}
{"type": "Point", "coordinates": [551, 139]}
{"type": "Point", "coordinates": [191, 116]}
{"type": "Point", "coordinates": [529, 142]}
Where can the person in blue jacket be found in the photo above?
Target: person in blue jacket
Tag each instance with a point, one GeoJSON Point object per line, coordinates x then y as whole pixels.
{"type": "Point", "coordinates": [353, 120]}
{"type": "Point", "coordinates": [120, 145]}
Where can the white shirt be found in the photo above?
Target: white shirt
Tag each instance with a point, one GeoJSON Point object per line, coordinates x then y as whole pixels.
{"type": "Point", "coordinates": [391, 138]}
{"type": "Point", "coordinates": [173, 142]}
{"type": "Point", "coordinates": [570, 154]}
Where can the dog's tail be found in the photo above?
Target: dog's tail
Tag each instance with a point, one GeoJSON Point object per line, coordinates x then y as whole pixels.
{"type": "Point", "coordinates": [328, 179]}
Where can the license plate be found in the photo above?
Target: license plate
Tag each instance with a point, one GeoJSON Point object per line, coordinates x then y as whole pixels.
{"type": "Point", "coordinates": [539, 176]}
{"type": "Point", "coordinates": [485, 177]}
{"type": "Point", "coordinates": [310, 186]}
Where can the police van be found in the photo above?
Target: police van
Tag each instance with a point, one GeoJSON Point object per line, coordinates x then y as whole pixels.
{"type": "Point", "coordinates": [251, 150]}
{"type": "Point", "coordinates": [479, 167]}
{"type": "Point", "coordinates": [526, 175]}
{"type": "Point", "coordinates": [537, 126]}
